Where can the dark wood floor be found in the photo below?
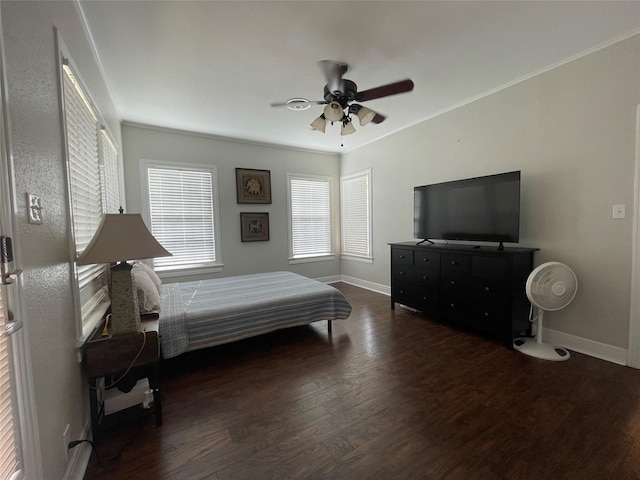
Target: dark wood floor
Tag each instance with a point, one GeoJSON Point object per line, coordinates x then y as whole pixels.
{"type": "Point", "coordinates": [389, 395]}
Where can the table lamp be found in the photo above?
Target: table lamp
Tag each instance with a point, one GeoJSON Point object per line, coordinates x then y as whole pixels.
{"type": "Point", "coordinates": [121, 237]}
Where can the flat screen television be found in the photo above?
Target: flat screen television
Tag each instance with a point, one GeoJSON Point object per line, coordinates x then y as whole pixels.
{"type": "Point", "coordinates": [474, 209]}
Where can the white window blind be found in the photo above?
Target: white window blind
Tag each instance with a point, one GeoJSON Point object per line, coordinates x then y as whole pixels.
{"type": "Point", "coordinates": [355, 192]}
{"type": "Point", "coordinates": [181, 210]}
{"type": "Point", "coordinates": [109, 174]}
{"type": "Point", "coordinates": [310, 215]}
{"type": "Point", "coordinates": [94, 187]}
{"type": "Point", "coordinates": [9, 464]}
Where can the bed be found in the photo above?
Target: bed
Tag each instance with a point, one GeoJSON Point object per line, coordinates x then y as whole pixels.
{"type": "Point", "coordinates": [201, 314]}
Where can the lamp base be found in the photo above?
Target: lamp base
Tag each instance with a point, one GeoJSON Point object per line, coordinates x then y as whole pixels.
{"type": "Point", "coordinates": [125, 312]}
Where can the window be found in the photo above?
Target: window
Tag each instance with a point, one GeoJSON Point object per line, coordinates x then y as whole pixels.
{"type": "Point", "coordinates": [355, 196]}
{"type": "Point", "coordinates": [182, 214]}
{"type": "Point", "coordinates": [309, 217]}
{"type": "Point", "coordinates": [92, 164]}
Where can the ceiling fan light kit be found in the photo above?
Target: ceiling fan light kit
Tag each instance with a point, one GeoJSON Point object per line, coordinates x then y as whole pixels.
{"type": "Point", "coordinates": [333, 112]}
{"type": "Point", "coordinates": [365, 115]}
{"type": "Point", "coordinates": [338, 95]}
{"type": "Point", "coordinates": [347, 128]}
{"type": "Point", "coordinates": [319, 123]}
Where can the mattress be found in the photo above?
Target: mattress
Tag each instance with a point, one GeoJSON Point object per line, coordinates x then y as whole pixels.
{"type": "Point", "coordinates": [206, 313]}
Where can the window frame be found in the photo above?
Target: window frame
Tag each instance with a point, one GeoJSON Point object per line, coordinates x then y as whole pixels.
{"type": "Point", "coordinates": [317, 257]}
{"type": "Point", "coordinates": [217, 265]}
{"type": "Point", "coordinates": [355, 256]}
{"type": "Point", "coordinates": [91, 310]}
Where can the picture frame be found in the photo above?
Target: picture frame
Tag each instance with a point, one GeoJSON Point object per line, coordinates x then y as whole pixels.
{"type": "Point", "coordinates": [253, 186]}
{"type": "Point", "coordinates": [254, 226]}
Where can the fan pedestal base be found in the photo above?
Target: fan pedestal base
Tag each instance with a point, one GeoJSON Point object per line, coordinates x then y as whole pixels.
{"type": "Point", "coordinates": [533, 348]}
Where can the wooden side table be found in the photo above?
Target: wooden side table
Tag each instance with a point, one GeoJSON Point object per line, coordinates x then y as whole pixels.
{"type": "Point", "coordinates": [106, 361]}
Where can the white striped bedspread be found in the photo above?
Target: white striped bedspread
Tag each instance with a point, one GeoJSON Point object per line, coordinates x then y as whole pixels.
{"type": "Point", "coordinates": [205, 313]}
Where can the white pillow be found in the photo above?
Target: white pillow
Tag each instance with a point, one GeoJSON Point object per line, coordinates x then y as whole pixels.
{"type": "Point", "coordinates": [148, 296]}
{"type": "Point", "coordinates": [152, 275]}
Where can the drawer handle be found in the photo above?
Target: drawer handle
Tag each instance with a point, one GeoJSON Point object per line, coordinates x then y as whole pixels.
{"type": "Point", "coordinates": [425, 259]}
{"type": "Point", "coordinates": [453, 305]}
{"type": "Point", "coordinates": [401, 256]}
{"type": "Point", "coordinates": [486, 314]}
{"type": "Point", "coordinates": [424, 298]}
{"type": "Point", "coordinates": [453, 262]}
{"type": "Point", "coordinates": [401, 291]}
{"type": "Point", "coordinates": [487, 289]}
{"type": "Point", "coordinates": [453, 282]}
{"type": "Point", "coordinates": [424, 277]}
{"type": "Point", "coordinates": [401, 273]}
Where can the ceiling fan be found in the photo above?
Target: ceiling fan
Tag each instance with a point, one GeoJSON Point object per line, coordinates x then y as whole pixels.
{"type": "Point", "coordinates": [339, 95]}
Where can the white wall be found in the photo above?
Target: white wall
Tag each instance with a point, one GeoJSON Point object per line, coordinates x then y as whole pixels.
{"type": "Point", "coordinates": [43, 250]}
{"type": "Point", "coordinates": [571, 131]}
{"type": "Point", "coordinates": [148, 143]}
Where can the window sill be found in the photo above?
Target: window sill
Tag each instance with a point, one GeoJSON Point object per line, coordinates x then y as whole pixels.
{"type": "Point", "coordinates": [92, 320]}
{"type": "Point", "coordinates": [311, 259]}
{"type": "Point", "coordinates": [356, 258]}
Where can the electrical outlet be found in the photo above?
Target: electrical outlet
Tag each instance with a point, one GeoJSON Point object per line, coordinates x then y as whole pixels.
{"type": "Point", "coordinates": [65, 442]}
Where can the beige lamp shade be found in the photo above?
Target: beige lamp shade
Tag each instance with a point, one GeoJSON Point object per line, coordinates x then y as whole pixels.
{"type": "Point", "coordinates": [333, 112]}
{"type": "Point", "coordinates": [319, 124]}
{"type": "Point", "coordinates": [347, 129]}
{"type": "Point", "coordinates": [121, 237]}
{"type": "Point", "coordinates": [365, 115]}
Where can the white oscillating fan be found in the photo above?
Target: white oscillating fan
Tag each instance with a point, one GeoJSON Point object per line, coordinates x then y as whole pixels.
{"type": "Point", "coordinates": [550, 287]}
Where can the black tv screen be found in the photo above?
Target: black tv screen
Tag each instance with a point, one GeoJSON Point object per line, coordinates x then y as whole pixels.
{"type": "Point", "coordinates": [474, 209]}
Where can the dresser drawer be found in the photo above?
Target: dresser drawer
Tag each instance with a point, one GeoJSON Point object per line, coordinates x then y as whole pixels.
{"type": "Point", "coordinates": [421, 298]}
{"type": "Point", "coordinates": [456, 285]}
{"type": "Point", "coordinates": [488, 288]}
{"type": "Point", "coordinates": [401, 256]}
{"type": "Point", "coordinates": [455, 263]}
{"type": "Point", "coordinates": [427, 260]}
{"type": "Point", "coordinates": [402, 273]}
{"type": "Point", "coordinates": [425, 277]}
{"type": "Point", "coordinates": [492, 267]}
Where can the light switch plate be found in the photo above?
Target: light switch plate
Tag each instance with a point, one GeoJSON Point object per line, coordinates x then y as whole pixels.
{"type": "Point", "coordinates": [34, 209]}
{"type": "Point", "coordinates": [619, 211]}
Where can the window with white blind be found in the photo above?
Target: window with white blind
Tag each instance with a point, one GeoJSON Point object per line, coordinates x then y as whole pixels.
{"type": "Point", "coordinates": [182, 215]}
{"type": "Point", "coordinates": [310, 232]}
{"type": "Point", "coordinates": [355, 211]}
{"type": "Point", "coordinates": [92, 163]}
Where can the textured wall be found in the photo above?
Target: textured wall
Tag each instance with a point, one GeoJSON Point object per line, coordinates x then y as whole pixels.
{"type": "Point", "coordinates": [43, 250]}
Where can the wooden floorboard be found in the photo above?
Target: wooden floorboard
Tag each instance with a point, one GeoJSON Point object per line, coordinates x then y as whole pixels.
{"type": "Point", "coordinates": [388, 395]}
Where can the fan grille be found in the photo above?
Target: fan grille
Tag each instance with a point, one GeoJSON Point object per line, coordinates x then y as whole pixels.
{"type": "Point", "coordinates": [551, 286]}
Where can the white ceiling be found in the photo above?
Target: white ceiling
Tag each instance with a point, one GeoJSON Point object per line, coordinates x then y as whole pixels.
{"type": "Point", "coordinates": [214, 67]}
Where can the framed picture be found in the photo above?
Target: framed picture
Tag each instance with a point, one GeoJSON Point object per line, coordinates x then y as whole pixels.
{"type": "Point", "coordinates": [254, 226]}
{"type": "Point", "coordinates": [253, 186]}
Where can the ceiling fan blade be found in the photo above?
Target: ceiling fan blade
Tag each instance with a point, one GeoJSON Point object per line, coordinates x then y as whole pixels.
{"type": "Point", "coordinates": [298, 103]}
{"type": "Point", "coordinates": [385, 90]}
{"type": "Point", "coordinates": [333, 70]}
{"type": "Point", "coordinates": [378, 118]}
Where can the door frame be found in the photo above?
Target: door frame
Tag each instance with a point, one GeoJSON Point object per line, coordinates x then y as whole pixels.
{"type": "Point", "coordinates": [633, 352]}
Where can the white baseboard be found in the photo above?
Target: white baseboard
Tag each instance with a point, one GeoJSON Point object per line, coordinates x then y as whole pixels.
{"type": "Point", "coordinates": [79, 457]}
{"type": "Point", "coordinates": [592, 348]}
{"type": "Point", "coordinates": [376, 287]}
{"type": "Point", "coordinates": [331, 279]}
